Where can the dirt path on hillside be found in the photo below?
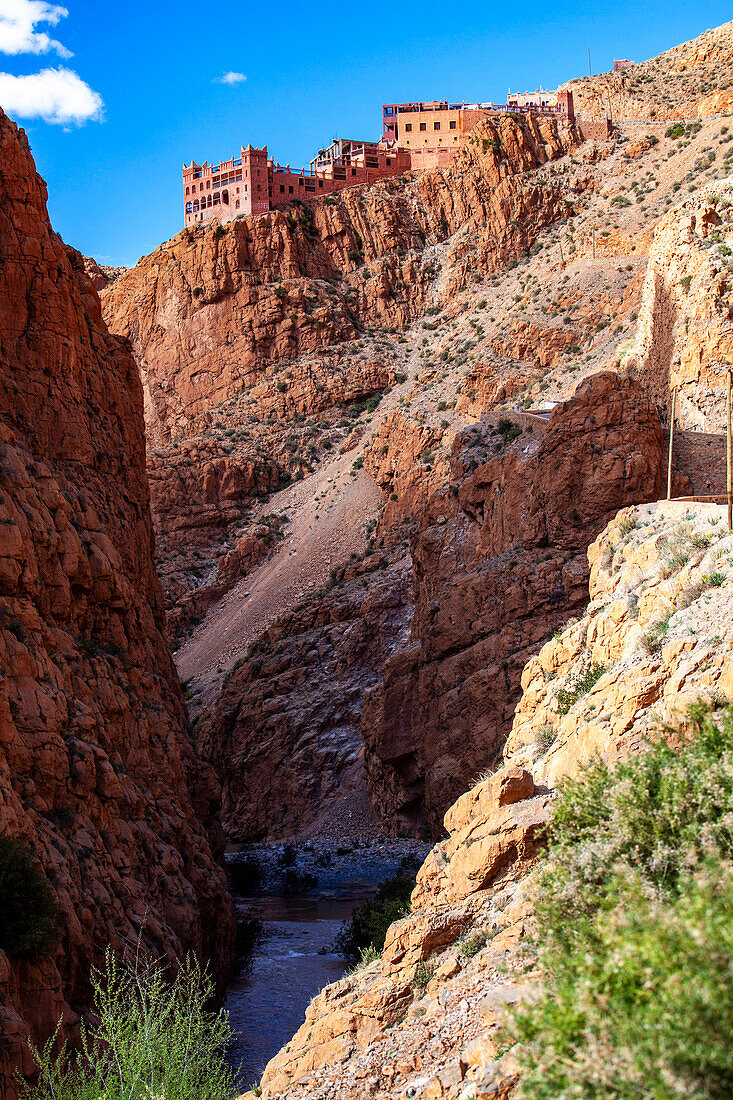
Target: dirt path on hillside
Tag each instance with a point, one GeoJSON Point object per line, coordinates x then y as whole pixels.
{"type": "Point", "coordinates": [328, 513]}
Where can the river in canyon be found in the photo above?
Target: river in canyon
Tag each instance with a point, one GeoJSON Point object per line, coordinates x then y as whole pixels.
{"type": "Point", "coordinates": [294, 958]}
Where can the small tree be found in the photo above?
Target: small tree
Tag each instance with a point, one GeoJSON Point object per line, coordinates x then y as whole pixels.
{"type": "Point", "coordinates": [153, 1039]}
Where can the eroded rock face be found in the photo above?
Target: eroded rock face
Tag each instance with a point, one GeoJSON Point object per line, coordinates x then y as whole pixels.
{"type": "Point", "coordinates": [209, 309]}
{"type": "Point", "coordinates": [685, 332]}
{"type": "Point", "coordinates": [96, 767]}
{"type": "Point", "coordinates": [285, 736]}
{"type": "Point", "coordinates": [499, 560]}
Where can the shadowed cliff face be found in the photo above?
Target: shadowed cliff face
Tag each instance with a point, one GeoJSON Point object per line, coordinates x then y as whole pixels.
{"type": "Point", "coordinates": [498, 561]}
{"type": "Point", "coordinates": [685, 335]}
{"type": "Point", "coordinates": [97, 774]}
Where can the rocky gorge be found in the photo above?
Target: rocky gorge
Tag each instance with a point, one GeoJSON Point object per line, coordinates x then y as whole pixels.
{"type": "Point", "coordinates": [340, 526]}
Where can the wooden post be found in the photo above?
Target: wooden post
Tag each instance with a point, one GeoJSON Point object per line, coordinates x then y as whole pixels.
{"type": "Point", "coordinates": [671, 444]}
{"type": "Point", "coordinates": [728, 453]}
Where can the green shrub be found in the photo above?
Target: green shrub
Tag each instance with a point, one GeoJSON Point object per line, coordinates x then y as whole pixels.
{"type": "Point", "coordinates": [152, 1039]}
{"type": "Point", "coordinates": [578, 685]}
{"type": "Point", "coordinates": [366, 930]}
{"type": "Point", "coordinates": [635, 922]}
{"type": "Point", "coordinates": [28, 905]}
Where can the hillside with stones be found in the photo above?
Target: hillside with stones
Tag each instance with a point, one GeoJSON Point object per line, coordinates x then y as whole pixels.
{"type": "Point", "coordinates": [98, 776]}
{"type": "Point", "coordinates": [261, 342]}
{"type": "Point", "coordinates": [690, 81]}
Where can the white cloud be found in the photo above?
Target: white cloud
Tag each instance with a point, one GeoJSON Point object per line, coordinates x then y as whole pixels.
{"type": "Point", "coordinates": [18, 32]}
{"type": "Point", "coordinates": [226, 78]}
{"type": "Point", "coordinates": [56, 95]}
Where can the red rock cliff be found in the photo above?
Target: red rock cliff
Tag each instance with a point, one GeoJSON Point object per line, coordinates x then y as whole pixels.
{"type": "Point", "coordinates": [96, 771]}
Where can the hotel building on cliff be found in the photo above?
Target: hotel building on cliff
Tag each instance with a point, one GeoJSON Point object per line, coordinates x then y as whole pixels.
{"type": "Point", "coordinates": [253, 183]}
{"type": "Point", "coordinates": [414, 136]}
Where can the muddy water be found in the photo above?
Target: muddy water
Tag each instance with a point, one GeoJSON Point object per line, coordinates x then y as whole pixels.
{"type": "Point", "coordinates": [291, 963]}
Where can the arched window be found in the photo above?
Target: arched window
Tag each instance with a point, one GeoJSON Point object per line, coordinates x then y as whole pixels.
{"type": "Point", "coordinates": [188, 190]}
{"type": "Point", "coordinates": [196, 206]}
{"type": "Point", "coordinates": [188, 207]}
{"type": "Point", "coordinates": [225, 197]}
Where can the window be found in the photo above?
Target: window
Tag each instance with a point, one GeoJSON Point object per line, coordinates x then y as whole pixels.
{"type": "Point", "coordinates": [452, 124]}
{"type": "Point", "coordinates": [301, 181]}
{"type": "Point", "coordinates": [389, 161]}
{"type": "Point", "coordinates": [282, 188]}
{"type": "Point", "coordinates": [320, 183]}
{"type": "Point", "coordinates": [436, 125]}
{"type": "Point", "coordinates": [388, 111]}
{"type": "Point", "coordinates": [236, 205]}
{"type": "Point", "coordinates": [188, 207]}
{"type": "Point", "coordinates": [423, 125]}
{"type": "Point", "coordinates": [217, 196]}
{"type": "Point", "coordinates": [408, 127]}
{"type": "Point", "coordinates": [353, 171]}
{"type": "Point", "coordinates": [225, 197]}
{"type": "Point", "coordinates": [290, 190]}
{"type": "Point", "coordinates": [188, 191]}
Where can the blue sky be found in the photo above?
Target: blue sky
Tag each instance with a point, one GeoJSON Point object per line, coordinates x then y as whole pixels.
{"type": "Point", "coordinates": [312, 73]}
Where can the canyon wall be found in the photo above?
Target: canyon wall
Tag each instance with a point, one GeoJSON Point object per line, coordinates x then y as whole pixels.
{"type": "Point", "coordinates": [499, 561]}
{"type": "Point", "coordinates": [425, 1019]}
{"type": "Point", "coordinates": [252, 339]}
{"type": "Point", "coordinates": [211, 308]}
{"type": "Point", "coordinates": [413, 658]}
{"type": "Point", "coordinates": [97, 772]}
{"type": "Point", "coordinates": [684, 337]}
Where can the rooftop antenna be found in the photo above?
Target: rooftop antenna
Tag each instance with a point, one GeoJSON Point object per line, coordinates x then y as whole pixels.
{"type": "Point", "coordinates": [589, 72]}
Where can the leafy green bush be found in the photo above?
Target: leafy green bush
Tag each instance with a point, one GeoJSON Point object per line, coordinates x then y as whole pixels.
{"type": "Point", "coordinates": [364, 934]}
{"type": "Point", "coordinates": [153, 1039]}
{"type": "Point", "coordinates": [578, 686]}
{"type": "Point", "coordinates": [635, 922]}
{"type": "Point", "coordinates": [27, 905]}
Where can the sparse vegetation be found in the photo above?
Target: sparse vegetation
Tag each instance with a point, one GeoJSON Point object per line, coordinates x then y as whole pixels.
{"type": "Point", "coordinates": [635, 923]}
{"type": "Point", "coordinates": [151, 1038]}
{"type": "Point", "coordinates": [578, 686]}
{"type": "Point", "coordinates": [367, 928]}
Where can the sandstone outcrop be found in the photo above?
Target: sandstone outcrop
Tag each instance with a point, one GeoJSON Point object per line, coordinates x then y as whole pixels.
{"type": "Point", "coordinates": [97, 774]}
